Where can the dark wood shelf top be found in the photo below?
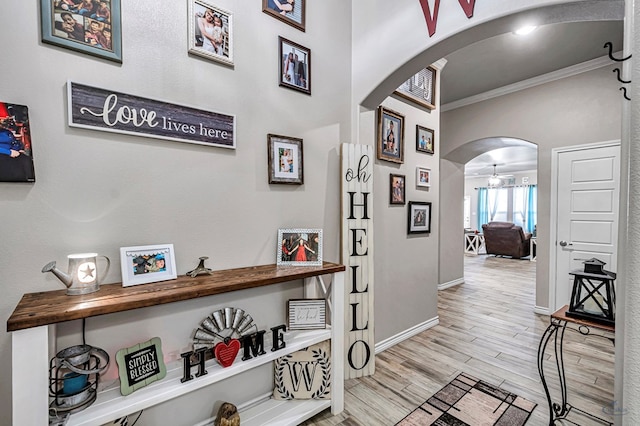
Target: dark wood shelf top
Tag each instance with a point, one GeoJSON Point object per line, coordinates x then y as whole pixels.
{"type": "Point", "coordinates": [50, 307]}
{"type": "Point", "coordinates": [561, 314]}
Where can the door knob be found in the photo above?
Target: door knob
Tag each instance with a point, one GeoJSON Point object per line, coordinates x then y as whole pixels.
{"type": "Point", "coordinates": [563, 243]}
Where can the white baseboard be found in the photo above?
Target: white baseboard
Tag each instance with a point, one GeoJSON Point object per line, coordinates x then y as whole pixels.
{"type": "Point", "coordinates": [404, 335]}
{"type": "Point", "coordinates": [451, 283]}
{"type": "Point", "coordinates": [541, 310]}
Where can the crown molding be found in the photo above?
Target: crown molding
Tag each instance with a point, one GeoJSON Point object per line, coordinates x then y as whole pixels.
{"type": "Point", "coordinates": [532, 82]}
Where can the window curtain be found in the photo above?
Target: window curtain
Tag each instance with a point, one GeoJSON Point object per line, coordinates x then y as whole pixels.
{"type": "Point", "coordinates": [483, 204]}
{"type": "Point", "coordinates": [532, 207]}
{"type": "Point", "coordinates": [492, 204]}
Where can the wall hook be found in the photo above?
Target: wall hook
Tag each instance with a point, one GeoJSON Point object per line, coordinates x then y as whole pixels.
{"type": "Point", "coordinates": [624, 91]}
{"type": "Point", "coordinates": [617, 70]}
{"type": "Point", "coordinates": [610, 46]}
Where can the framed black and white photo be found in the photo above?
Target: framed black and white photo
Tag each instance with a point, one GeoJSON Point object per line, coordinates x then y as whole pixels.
{"type": "Point", "coordinates": [423, 177]}
{"type": "Point", "coordinates": [299, 247]}
{"type": "Point", "coordinates": [210, 32]}
{"type": "Point", "coordinates": [291, 12]}
{"type": "Point", "coordinates": [425, 140]}
{"type": "Point", "coordinates": [285, 159]}
{"type": "Point", "coordinates": [147, 264]}
{"type": "Point", "coordinates": [390, 136]}
{"type": "Point", "coordinates": [420, 89]}
{"type": "Point", "coordinates": [306, 314]}
{"type": "Point", "coordinates": [419, 217]}
{"type": "Point", "coordinates": [92, 27]}
{"type": "Point", "coordinates": [295, 66]}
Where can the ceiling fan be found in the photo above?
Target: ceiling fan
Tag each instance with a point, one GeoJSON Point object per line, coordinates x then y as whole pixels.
{"type": "Point", "coordinates": [495, 179]}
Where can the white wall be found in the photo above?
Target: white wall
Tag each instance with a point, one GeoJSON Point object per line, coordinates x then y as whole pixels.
{"type": "Point", "coordinates": [100, 191]}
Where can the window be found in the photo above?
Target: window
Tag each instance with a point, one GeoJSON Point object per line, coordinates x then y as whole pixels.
{"type": "Point", "coordinates": [516, 204]}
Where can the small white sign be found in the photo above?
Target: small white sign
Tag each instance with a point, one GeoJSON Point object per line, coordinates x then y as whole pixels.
{"type": "Point", "coordinates": [305, 314]}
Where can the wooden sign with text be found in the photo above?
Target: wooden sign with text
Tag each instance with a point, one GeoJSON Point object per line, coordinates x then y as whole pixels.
{"type": "Point", "coordinates": [109, 111]}
{"type": "Point", "coordinates": [357, 256]}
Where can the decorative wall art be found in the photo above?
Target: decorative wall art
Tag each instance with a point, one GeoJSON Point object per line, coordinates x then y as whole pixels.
{"type": "Point", "coordinates": [16, 152]}
{"type": "Point", "coordinates": [285, 156]}
{"type": "Point", "coordinates": [390, 146]}
{"type": "Point", "coordinates": [140, 365]}
{"type": "Point", "coordinates": [419, 217]}
{"type": "Point", "coordinates": [396, 189]}
{"type": "Point", "coordinates": [92, 27]}
{"type": "Point", "coordinates": [291, 12]}
{"type": "Point", "coordinates": [312, 382]}
{"type": "Point", "coordinates": [307, 314]}
{"type": "Point", "coordinates": [425, 140]}
{"type": "Point", "coordinates": [420, 89]}
{"type": "Point", "coordinates": [300, 247]}
{"type": "Point", "coordinates": [109, 111]}
{"type": "Point", "coordinates": [295, 66]}
{"type": "Point", "coordinates": [423, 177]}
{"type": "Point", "coordinates": [210, 32]}
{"type": "Point", "coordinates": [147, 264]}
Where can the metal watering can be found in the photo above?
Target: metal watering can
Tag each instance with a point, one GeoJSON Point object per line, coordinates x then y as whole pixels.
{"type": "Point", "coordinates": [82, 277]}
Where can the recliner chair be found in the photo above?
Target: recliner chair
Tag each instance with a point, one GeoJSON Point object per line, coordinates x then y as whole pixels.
{"type": "Point", "coordinates": [506, 239]}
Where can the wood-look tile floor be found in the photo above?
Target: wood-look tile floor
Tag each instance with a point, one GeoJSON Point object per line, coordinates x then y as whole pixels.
{"type": "Point", "coordinates": [488, 329]}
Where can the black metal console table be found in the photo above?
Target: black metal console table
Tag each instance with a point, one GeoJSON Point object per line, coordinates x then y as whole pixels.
{"type": "Point", "coordinates": [556, 329]}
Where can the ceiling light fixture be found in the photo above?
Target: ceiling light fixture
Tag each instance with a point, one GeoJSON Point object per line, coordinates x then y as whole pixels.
{"type": "Point", "coordinates": [494, 180]}
{"type": "Point", "coordinates": [527, 29]}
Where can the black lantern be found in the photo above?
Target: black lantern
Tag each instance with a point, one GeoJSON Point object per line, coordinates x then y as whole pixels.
{"type": "Point", "coordinates": [593, 296]}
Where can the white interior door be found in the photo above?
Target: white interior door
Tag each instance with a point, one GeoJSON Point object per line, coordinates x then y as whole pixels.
{"type": "Point", "coordinates": [587, 222]}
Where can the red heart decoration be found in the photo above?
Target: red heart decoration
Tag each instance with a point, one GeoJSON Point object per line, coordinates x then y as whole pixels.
{"type": "Point", "coordinates": [226, 351]}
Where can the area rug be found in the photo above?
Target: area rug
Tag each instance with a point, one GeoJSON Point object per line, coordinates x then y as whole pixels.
{"type": "Point", "coordinates": [468, 401]}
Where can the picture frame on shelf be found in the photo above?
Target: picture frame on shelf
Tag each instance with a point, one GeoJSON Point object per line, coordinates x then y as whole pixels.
{"type": "Point", "coordinates": [16, 146]}
{"type": "Point", "coordinates": [390, 136]}
{"type": "Point", "coordinates": [290, 12]}
{"type": "Point", "coordinates": [306, 314]}
{"type": "Point", "coordinates": [419, 220]}
{"type": "Point", "coordinates": [299, 247]}
{"type": "Point", "coordinates": [294, 70]}
{"type": "Point", "coordinates": [285, 159]}
{"type": "Point", "coordinates": [97, 32]}
{"type": "Point", "coordinates": [147, 264]}
{"type": "Point", "coordinates": [420, 89]}
{"type": "Point", "coordinates": [397, 184]}
{"type": "Point", "coordinates": [425, 140]}
{"type": "Point", "coordinates": [210, 32]}
{"type": "Point", "coordinates": [423, 177]}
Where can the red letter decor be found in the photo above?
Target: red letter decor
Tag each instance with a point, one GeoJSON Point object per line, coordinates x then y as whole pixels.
{"type": "Point", "coordinates": [432, 18]}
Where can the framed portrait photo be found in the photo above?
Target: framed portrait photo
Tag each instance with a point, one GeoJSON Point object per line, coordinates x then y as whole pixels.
{"type": "Point", "coordinates": [291, 12]}
{"type": "Point", "coordinates": [419, 217]}
{"type": "Point", "coordinates": [420, 89]}
{"type": "Point", "coordinates": [92, 27]}
{"type": "Point", "coordinates": [295, 66]}
{"type": "Point", "coordinates": [285, 159]}
{"type": "Point", "coordinates": [425, 140]}
{"type": "Point", "coordinates": [396, 189]}
{"type": "Point", "coordinates": [147, 264]}
{"type": "Point", "coordinates": [16, 148]}
{"type": "Point", "coordinates": [390, 136]}
{"type": "Point", "coordinates": [210, 32]}
{"type": "Point", "coordinates": [423, 177]}
{"type": "Point", "coordinates": [299, 247]}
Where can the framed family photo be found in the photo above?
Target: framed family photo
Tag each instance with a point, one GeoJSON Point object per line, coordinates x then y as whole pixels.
{"type": "Point", "coordinates": [210, 32]}
{"type": "Point", "coordinates": [147, 264]}
{"type": "Point", "coordinates": [291, 12]}
{"type": "Point", "coordinates": [425, 140]}
{"type": "Point", "coordinates": [299, 247]}
{"type": "Point", "coordinates": [390, 136]}
{"type": "Point", "coordinates": [16, 149]}
{"type": "Point", "coordinates": [396, 189]}
{"type": "Point", "coordinates": [87, 26]}
{"type": "Point", "coordinates": [295, 66]}
{"type": "Point", "coordinates": [285, 159]}
{"type": "Point", "coordinates": [419, 217]}
{"type": "Point", "coordinates": [420, 89]}
{"type": "Point", "coordinates": [423, 177]}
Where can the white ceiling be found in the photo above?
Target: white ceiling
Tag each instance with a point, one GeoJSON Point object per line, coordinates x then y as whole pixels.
{"type": "Point", "coordinates": [507, 59]}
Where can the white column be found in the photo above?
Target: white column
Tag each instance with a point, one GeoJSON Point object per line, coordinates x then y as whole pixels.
{"type": "Point", "coordinates": [30, 376]}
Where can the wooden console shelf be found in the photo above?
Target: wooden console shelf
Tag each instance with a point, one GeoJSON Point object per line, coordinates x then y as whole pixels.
{"type": "Point", "coordinates": [51, 307]}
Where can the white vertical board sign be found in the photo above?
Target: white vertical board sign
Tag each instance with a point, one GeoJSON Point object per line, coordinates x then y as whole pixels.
{"type": "Point", "coordinates": [357, 256]}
